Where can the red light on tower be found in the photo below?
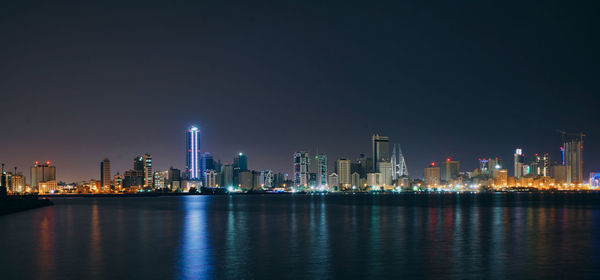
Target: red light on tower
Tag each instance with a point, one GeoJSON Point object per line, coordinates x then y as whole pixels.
{"type": "Point", "coordinates": [432, 163]}
{"type": "Point", "coordinates": [448, 159]}
{"type": "Point", "coordinates": [37, 162]}
{"type": "Point", "coordinates": [48, 162]}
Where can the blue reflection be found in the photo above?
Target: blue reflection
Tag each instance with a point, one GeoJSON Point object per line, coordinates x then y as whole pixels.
{"type": "Point", "coordinates": [194, 260]}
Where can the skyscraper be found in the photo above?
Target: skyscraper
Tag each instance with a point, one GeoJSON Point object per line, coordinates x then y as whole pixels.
{"type": "Point", "coordinates": [432, 175]}
{"type": "Point", "coordinates": [449, 170]}
{"type": "Point", "coordinates": [519, 160]}
{"type": "Point", "coordinates": [240, 162]}
{"type": "Point", "coordinates": [42, 172]}
{"type": "Point", "coordinates": [342, 168]}
{"type": "Point", "coordinates": [192, 154]}
{"type": "Point", "coordinates": [105, 177]}
{"type": "Point", "coordinates": [148, 175]}
{"type": "Point", "coordinates": [301, 163]}
{"type": "Point", "coordinates": [574, 158]}
{"type": "Point", "coordinates": [381, 149]}
{"type": "Point", "coordinates": [398, 163]}
{"type": "Point", "coordinates": [321, 162]}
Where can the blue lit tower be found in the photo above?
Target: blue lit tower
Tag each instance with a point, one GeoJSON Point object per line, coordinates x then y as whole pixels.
{"type": "Point", "coordinates": [192, 153]}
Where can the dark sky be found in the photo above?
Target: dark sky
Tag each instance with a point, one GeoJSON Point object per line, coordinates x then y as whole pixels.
{"type": "Point", "coordinates": [464, 79]}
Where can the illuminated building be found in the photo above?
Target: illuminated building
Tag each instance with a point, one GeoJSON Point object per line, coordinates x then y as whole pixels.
{"type": "Point", "coordinates": [301, 163]}
{"type": "Point", "coordinates": [321, 162]}
{"type": "Point", "coordinates": [266, 179]}
{"type": "Point", "coordinates": [519, 160]}
{"type": "Point", "coordinates": [211, 178]}
{"type": "Point", "coordinates": [398, 163]}
{"type": "Point", "coordinates": [50, 186]}
{"type": "Point", "coordinates": [160, 179]}
{"type": "Point", "coordinates": [561, 174]}
{"type": "Point", "coordinates": [595, 179]}
{"type": "Point", "coordinates": [381, 149]}
{"type": "Point", "coordinates": [342, 169]}
{"type": "Point", "coordinates": [495, 164]}
{"type": "Point", "coordinates": [449, 170]}
{"type": "Point", "coordinates": [118, 181]}
{"type": "Point", "coordinates": [501, 178]}
{"type": "Point", "coordinates": [138, 164]}
{"type": "Point", "coordinates": [355, 178]}
{"type": "Point", "coordinates": [42, 172]}
{"type": "Point", "coordinates": [192, 154]}
{"type": "Point", "coordinates": [333, 181]}
{"type": "Point", "coordinates": [385, 173]}
{"type": "Point", "coordinates": [373, 179]}
{"type": "Point", "coordinates": [133, 179]}
{"type": "Point", "coordinates": [240, 162]}
{"type": "Point", "coordinates": [245, 180]}
{"type": "Point", "coordinates": [173, 179]}
{"type": "Point", "coordinates": [227, 171]}
{"type": "Point", "coordinates": [18, 183]}
{"type": "Point", "coordinates": [105, 177]}
{"type": "Point", "coordinates": [541, 165]}
{"type": "Point", "coordinates": [148, 174]}
{"type": "Point", "coordinates": [573, 149]}
{"type": "Point", "coordinates": [432, 175]}
{"type": "Point", "coordinates": [206, 163]}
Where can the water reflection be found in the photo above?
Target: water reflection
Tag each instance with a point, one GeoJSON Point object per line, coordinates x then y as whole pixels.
{"type": "Point", "coordinates": [299, 236]}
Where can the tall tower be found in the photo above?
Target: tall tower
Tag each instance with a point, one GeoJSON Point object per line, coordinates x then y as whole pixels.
{"type": "Point", "coordinates": [343, 171]}
{"type": "Point", "coordinates": [519, 160]}
{"type": "Point", "coordinates": [573, 153]}
{"type": "Point", "coordinates": [381, 149]}
{"type": "Point", "coordinates": [192, 153]}
{"type": "Point", "coordinates": [148, 175]}
{"type": "Point", "coordinates": [398, 163]}
{"type": "Point", "coordinates": [301, 168]}
{"type": "Point", "coordinates": [321, 170]}
{"type": "Point", "coordinates": [105, 177]}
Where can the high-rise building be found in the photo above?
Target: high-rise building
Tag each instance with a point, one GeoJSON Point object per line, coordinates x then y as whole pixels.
{"type": "Point", "coordinates": [138, 163]}
{"type": "Point", "coordinates": [432, 175]}
{"type": "Point", "coordinates": [381, 149]}
{"type": "Point", "coordinates": [332, 181]}
{"type": "Point", "coordinates": [385, 173]}
{"type": "Point", "coordinates": [541, 165]}
{"type": "Point", "coordinates": [321, 163]}
{"type": "Point", "coordinates": [449, 170]}
{"type": "Point", "coordinates": [105, 176]}
{"type": "Point", "coordinates": [573, 150]}
{"type": "Point", "coordinates": [266, 179]}
{"type": "Point", "coordinates": [519, 160]}
{"type": "Point", "coordinates": [192, 154]}
{"type": "Point", "coordinates": [42, 172]}
{"type": "Point", "coordinates": [148, 174]}
{"type": "Point", "coordinates": [501, 178]}
{"type": "Point", "coordinates": [301, 163]}
{"type": "Point", "coordinates": [160, 179]}
{"type": "Point", "coordinates": [206, 163]}
{"type": "Point", "coordinates": [561, 174]}
{"type": "Point", "coordinates": [342, 168]}
{"type": "Point", "coordinates": [240, 162]}
{"type": "Point", "coordinates": [398, 163]}
{"type": "Point", "coordinates": [173, 179]}
{"type": "Point", "coordinates": [595, 179]}
{"type": "Point", "coordinates": [355, 180]}
{"type": "Point", "coordinates": [118, 181]}
{"type": "Point", "coordinates": [227, 171]}
{"type": "Point", "coordinates": [211, 178]}
{"type": "Point", "coordinates": [495, 164]}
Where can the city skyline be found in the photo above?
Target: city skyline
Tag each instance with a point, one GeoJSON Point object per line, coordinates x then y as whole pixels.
{"type": "Point", "coordinates": [449, 80]}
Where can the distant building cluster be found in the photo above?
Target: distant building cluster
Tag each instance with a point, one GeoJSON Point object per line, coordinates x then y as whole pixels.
{"type": "Point", "coordinates": [384, 170]}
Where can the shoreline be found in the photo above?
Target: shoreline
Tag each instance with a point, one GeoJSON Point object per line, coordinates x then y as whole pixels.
{"type": "Point", "coordinates": [13, 205]}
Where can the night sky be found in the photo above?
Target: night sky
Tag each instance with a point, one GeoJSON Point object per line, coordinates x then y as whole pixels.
{"type": "Point", "coordinates": [85, 80]}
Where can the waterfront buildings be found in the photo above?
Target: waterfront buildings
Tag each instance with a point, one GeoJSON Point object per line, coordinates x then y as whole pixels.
{"type": "Point", "coordinates": [192, 154]}
{"type": "Point", "coordinates": [449, 170]}
{"type": "Point", "coordinates": [519, 160]}
{"type": "Point", "coordinates": [333, 181]}
{"type": "Point", "coordinates": [342, 168]}
{"type": "Point", "coordinates": [573, 149]}
{"type": "Point", "coordinates": [42, 172]}
{"type": "Point", "coordinates": [105, 176]}
{"type": "Point", "coordinates": [301, 163]}
{"type": "Point", "coordinates": [321, 162]}
{"type": "Point", "coordinates": [432, 175]}
{"type": "Point", "coordinates": [381, 149]}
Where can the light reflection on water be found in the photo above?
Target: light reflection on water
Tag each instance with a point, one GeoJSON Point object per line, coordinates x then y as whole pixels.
{"type": "Point", "coordinates": [299, 236]}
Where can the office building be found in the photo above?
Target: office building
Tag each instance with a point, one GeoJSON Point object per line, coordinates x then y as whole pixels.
{"type": "Point", "coordinates": [381, 149]}
{"type": "Point", "coordinates": [240, 162]}
{"type": "Point", "coordinates": [342, 168]}
{"type": "Point", "coordinates": [266, 179]}
{"type": "Point", "coordinates": [301, 163]}
{"type": "Point", "coordinates": [449, 170]}
{"type": "Point", "coordinates": [105, 176]}
{"type": "Point", "coordinates": [595, 179]}
{"type": "Point", "coordinates": [118, 181]}
{"type": "Point", "coordinates": [227, 175]}
{"type": "Point", "coordinates": [519, 160]}
{"type": "Point", "coordinates": [561, 174]}
{"type": "Point", "coordinates": [321, 163]}
{"type": "Point", "coordinates": [42, 172]}
{"type": "Point", "coordinates": [211, 178]}
{"type": "Point", "coordinates": [573, 152]}
{"type": "Point", "coordinates": [332, 181]}
{"type": "Point", "coordinates": [173, 179]}
{"type": "Point", "coordinates": [432, 175]}
{"type": "Point", "coordinates": [192, 154]}
{"type": "Point", "coordinates": [385, 173]}
{"type": "Point", "coordinates": [148, 174]}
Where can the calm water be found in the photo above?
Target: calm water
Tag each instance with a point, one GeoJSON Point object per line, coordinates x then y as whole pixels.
{"type": "Point", "coordinates": [520, 236]}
